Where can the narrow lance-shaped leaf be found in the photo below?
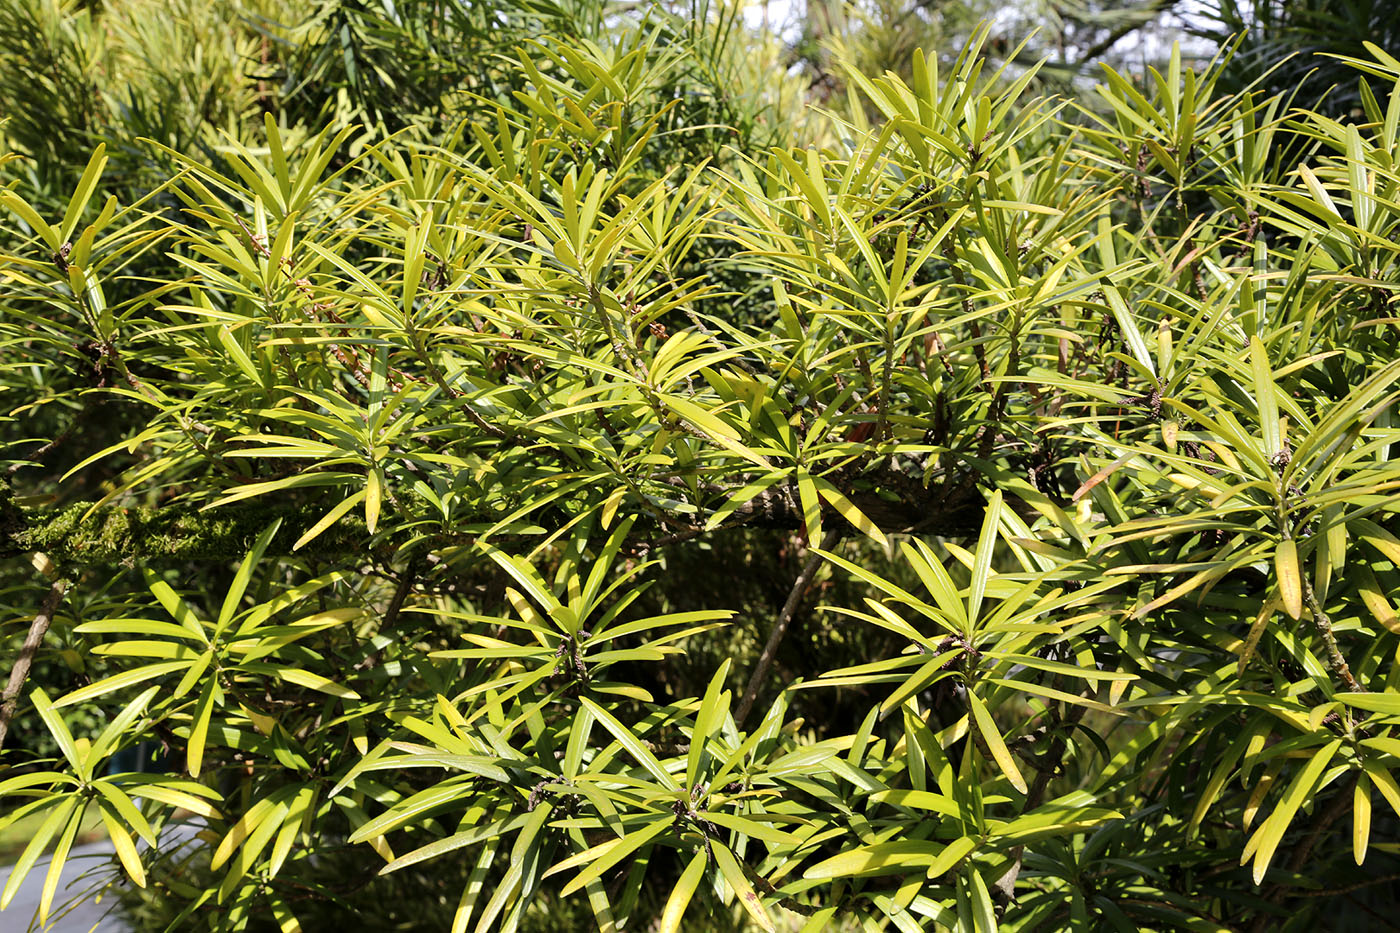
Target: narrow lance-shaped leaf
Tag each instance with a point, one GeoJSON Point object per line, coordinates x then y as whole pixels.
{"type": "Point", "coordinates": [639, 752]}
{"type": "Point", "coordinates": [681, 894]}
{"type": "Point", "coordinates": [1271, 833]}
{"type": "Point", "coordinates": [1264, 394]}
{"type": "Point", "coordinates": [987, 729]}
{"type": "Point", "coordinates": [1290, 581]}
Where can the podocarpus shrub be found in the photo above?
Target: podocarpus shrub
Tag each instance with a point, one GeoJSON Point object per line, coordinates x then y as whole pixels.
{"type": "Point", "coordinates": [1067, 426]}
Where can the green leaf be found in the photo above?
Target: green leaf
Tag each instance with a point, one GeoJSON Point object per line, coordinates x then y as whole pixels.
{"type": "Point", "coordinates": [124, 809]}
{"type": "Point", "coordinates": [1128, 327]}
{"type": "Point", "coordinates": [605, 855]}
{"type": "Point", "coordinates": [411, 809]}
{"type": "Point", "coordinates": [82, 193]}
{"type": "Point", "coordinates": [1360, 818]}
{"type": "Point", "coordinates": [331, 517]}
{"type": "Point", "coordinates": [1290, 581]}
{"type": "Point", "coordinates": [22, 209]}
{"type": "Point", "coordinates": [199, 730]}
{"type": "Point", "coordinates": [57, 860]}
{"type": "Point", "coordinates": [58, 817]}
{"type": "Point", "coordinates": [729, 867]}
{"type": "Point", "coordinates": [952, 854]}
{"type": "Point", "coordinates": [315, 681]}
{"type": "Point", "coordinates": [119, 681]}
{"type": "Point", "coordinates": [1388, 703]}
{"type": "Point", "coordinates": [987, 729]}
{"type": "Point", "coordinates": [983, 912]}
{"type": "Point", "coordinates": [1264, 394]}
{"type": "Point", "coordinates": [1271, 833]}
{"type": "Point", "coordinates": [714, 709]}
{"type": "Point", "coordinates": [239, 356]}
{"type": "Point", "coordinates": [245, 573]}
{"type": "Point", "coordinates": [639, 752]}
{"type": "Point", "coordinates": [125, 848]}
{"type": "Point", "coordinates": [77, 759]}
{"type": "Point", "coordinates": [982, 564]}
{"type": "Point", "coordinates": [467, 837]}
{"type": "Point", "coordinates": [847, 510]}
{"type": "Point", "coordinates": [884, 858]}
{"type": "Point", "coordinates": [681, 894]}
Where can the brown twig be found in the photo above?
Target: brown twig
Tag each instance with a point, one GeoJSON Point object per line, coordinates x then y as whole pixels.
{"type": "Point", "coordinates": [1107, 42]}
{"type": "Point", "coordinates": [391, 613]}
{"type": "Point", "coordinates": [406, 581]}
{"type": "Point", "coordinates": [999, 398]}
{"type": "Point", "coordinates": [1334, 892]}
{"type": "Point", "coordinates": [20, 672]}
{"type": "Point", "coordinates": [775, 637]}
{"type": "Point", "coordinates": [1339, 805]}
{"type": "Point", "coordinates": [1046, 769]}
{"type": "Point", "coordinates": [38, 456]}
{"type": "Point", "coordinates": [1323, 623]}
{"type": "Point", "coordinates": [766, 886]}
{"type": "Point", "coordinates": [950, 254]}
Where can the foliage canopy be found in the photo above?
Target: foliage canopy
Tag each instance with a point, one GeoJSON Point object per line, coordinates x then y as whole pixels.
{"type": "Point", "coordinates": [587, 490]}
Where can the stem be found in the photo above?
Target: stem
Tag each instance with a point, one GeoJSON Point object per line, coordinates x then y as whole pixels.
{"type": "Point", "coordinates": [882, 427]}
{"type": "Point", "coordinates": [1335, 892]}
{"type": "Point", "coordinates": [595, 298]}
{"type": "Point", "coordinates": [775, 638]}
{"type": "Point", "coordinates": [37, 457]}
{"type": "Point", "coordinates": [406, 581]}
{"type": "Point", "coordinates": [1335, 660]}
{"type": "Point", "coordinates": [997, 409]}
{"type": "Point", "coordinates": [980, 352]}
{"type": "Point", "coordinates": [1107, 42]}
{"type": "Point", "coordinates": [1054, 756]}
{"type": "Point", "coordinates": [391, 614]}
{"type": "Point", "coordinates": [435, 373]}
{"type": "Point", "coordinates": [37, 630]}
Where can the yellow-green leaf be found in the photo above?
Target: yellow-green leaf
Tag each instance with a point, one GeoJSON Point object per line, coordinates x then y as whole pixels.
{"type": "Point", "coordinates": [1290, 582]}
{"type": "Point", "coordinates": [681, 894]}
{"type": "Point", "coordinates": [374, 492]}
{"type": "Point", "coordinates": [1272, 832]}
{"type": "Point", "coordinates": [734, 874]}
{"type": "Point", "coordinates": [1360, 818]}
{"type": "Point", "coordinates": [987, 728]}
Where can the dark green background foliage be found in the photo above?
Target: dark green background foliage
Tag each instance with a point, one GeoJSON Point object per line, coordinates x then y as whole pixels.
{"type": "Point", "coordinates": [536, 466]}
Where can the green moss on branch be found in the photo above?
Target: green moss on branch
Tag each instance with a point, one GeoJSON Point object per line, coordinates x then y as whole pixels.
{"type": "Point", "coordinates": [114, 536]}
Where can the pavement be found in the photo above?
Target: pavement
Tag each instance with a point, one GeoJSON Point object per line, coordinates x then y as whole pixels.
{"type": "Point", "coordinates": [79, 885]}
{"type": "Point", "coordinates": [82, 903]}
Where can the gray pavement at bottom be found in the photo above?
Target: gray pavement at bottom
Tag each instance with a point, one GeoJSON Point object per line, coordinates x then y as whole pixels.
{"type": "Point", "coordinates": [93, 908]}
{"type": "Point", "coordinates": [85, 864]}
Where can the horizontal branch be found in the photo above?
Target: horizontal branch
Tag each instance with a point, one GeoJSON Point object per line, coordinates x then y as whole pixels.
{"type": "Point", "coordinates": [115, 536]}
{"type": "Point", "coordinates": [74, 536]}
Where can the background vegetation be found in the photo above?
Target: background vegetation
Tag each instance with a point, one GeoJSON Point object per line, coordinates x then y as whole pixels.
{"type": "Point", "coordinates": [534, 466]}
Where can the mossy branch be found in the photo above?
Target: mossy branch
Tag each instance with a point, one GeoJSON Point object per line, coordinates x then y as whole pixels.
{"type": "Point", "coordinates": [74, 536]}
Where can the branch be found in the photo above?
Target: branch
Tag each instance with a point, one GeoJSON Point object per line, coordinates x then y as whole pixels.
{"type": "Point", "coordinates": [1323, 623]}
{"type": "Point", "coordinates": [1336, 892]}
{"type": "Point", "coordinates": [120, 536]}
{"type": "Point", "coordinates": [775, 638]}
{"type": "Point", "coordinates": [391, 614]}
{"type": "Point", "coordinates": [37, 630]}
{"type": "Point", "coordinates": [76, 536]}
{"type": "Point", "coordinates": [1046, 769]}
{"type": "Point", "coordinates": [37, 457]}
{"type": "Point", "coordinates": [1107, 42]}
{"type": "Point", "coordinates": [1279, 892]}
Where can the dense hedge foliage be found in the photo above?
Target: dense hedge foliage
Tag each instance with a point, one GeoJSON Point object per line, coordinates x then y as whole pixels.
{"type": "Point", "coordinates": [586, 495]}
